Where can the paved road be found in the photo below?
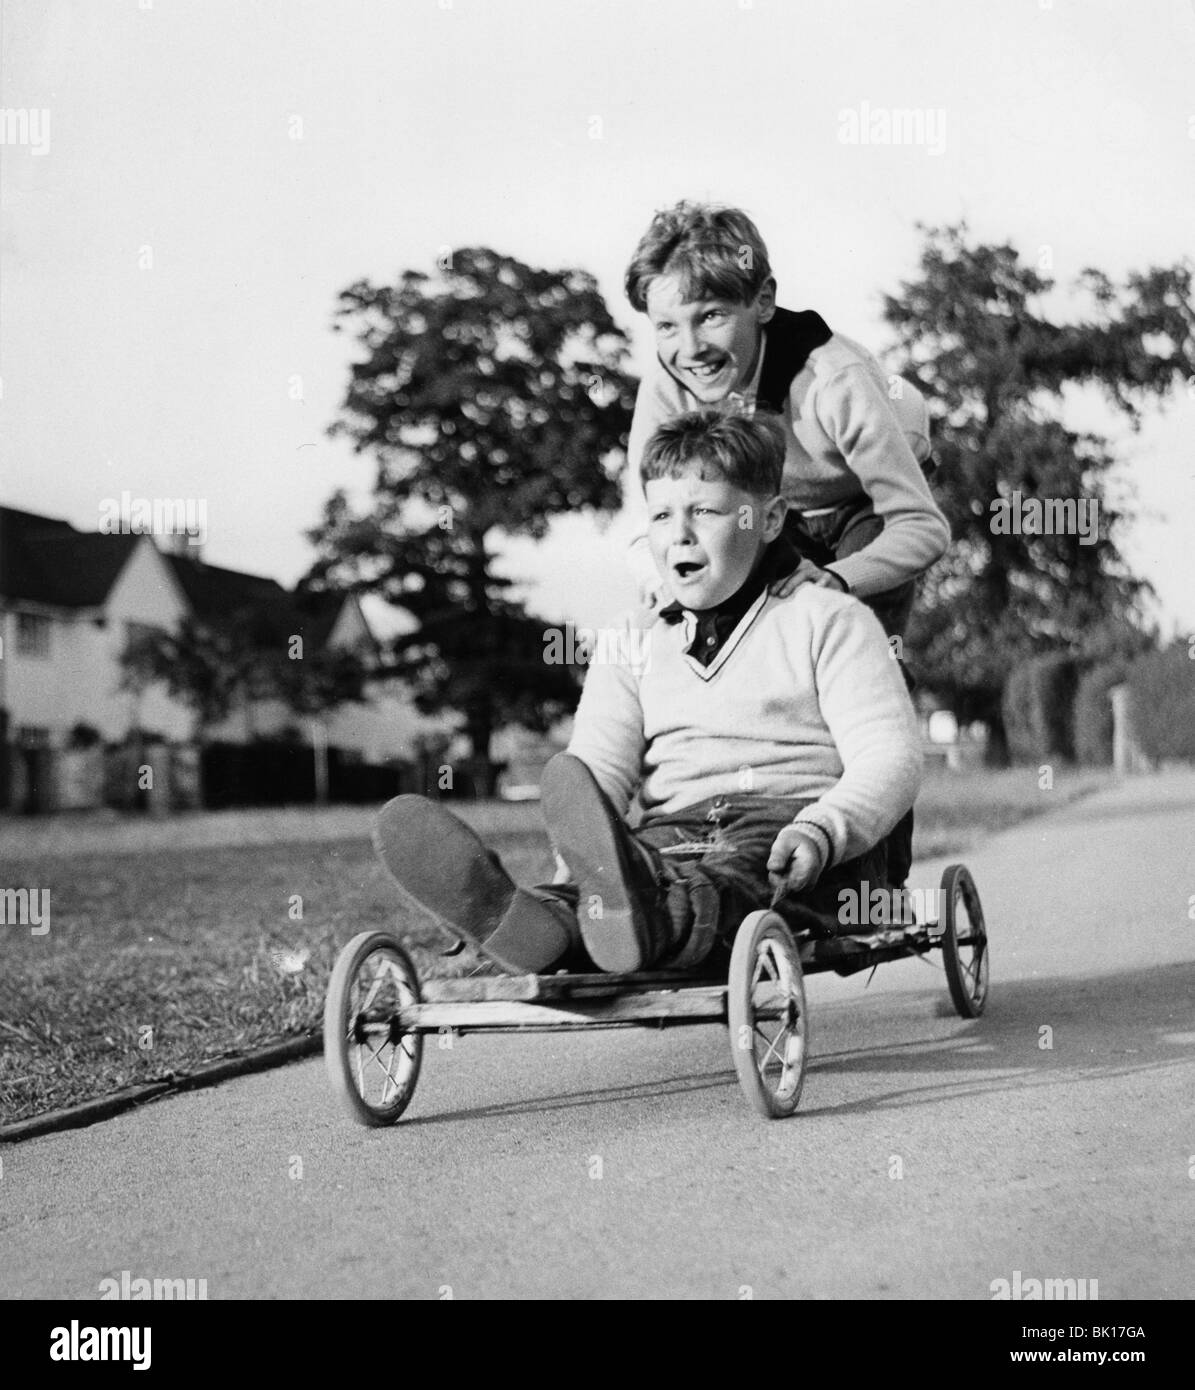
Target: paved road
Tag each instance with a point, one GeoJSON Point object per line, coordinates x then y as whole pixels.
{"type": "Point", "coordinates": [1076, 1161]}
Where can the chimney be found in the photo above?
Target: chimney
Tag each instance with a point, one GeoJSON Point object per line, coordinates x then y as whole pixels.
{"type": "Point", "coordinates": [187, 546]}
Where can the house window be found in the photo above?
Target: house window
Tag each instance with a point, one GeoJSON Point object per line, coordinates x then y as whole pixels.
{"type": "Point", "coordinates": [33, 635]}
{"type": "Point", "coordinates": [33, 736]}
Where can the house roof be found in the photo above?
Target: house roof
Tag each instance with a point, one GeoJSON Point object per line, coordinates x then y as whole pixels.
{"type": "Point", "coordinates": [318, 611]}
{"type": "Point", "coordinates": [45, 560]}
{"type": "Point", "coordinates": [272, 612]}
{"type": "Point", "coordinates": [214, 592]}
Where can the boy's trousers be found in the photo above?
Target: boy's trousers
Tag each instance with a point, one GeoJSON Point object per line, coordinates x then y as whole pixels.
{"type": "Point", "coordinates": [710, 862]}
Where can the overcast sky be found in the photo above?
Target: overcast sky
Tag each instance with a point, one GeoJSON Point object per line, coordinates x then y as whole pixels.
{"type": "Point", "coordinates": [548, 129]}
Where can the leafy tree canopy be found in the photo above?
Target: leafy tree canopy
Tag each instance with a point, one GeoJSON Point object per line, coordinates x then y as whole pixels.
{"type": "Point", "coordinates": [972, 330]}
{"type": "Point", "coordinates": [493, 398]}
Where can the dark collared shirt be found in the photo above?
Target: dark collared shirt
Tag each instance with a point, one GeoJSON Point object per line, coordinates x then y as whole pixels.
{"type": "Point", "coordinates": [714, 625]}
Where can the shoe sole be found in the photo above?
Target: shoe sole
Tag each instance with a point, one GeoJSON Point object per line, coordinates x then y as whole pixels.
{"type": "Point", "coordinates": [440, 866]}
{"type": "Point", "coordinates": [590, 843]}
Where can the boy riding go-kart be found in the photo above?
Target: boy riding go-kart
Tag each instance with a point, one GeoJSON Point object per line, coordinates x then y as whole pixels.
{"type": "Point", "coordinates": [771, 739]}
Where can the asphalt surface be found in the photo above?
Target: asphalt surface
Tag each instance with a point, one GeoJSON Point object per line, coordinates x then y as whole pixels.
{"type": "Point", "coordinates": [930, 1156]}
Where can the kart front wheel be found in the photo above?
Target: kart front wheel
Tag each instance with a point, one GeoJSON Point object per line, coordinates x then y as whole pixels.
{"type": "Point", "coordinates": [372, 1062]}
{"type": "Point", "coordinates": [769, 1022]}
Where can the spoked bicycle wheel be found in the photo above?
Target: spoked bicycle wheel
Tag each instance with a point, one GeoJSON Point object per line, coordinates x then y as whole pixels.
{"type": "Point", "coordinates": [769, 1023]}
{"type": "Point", "coordinates": [964, 942]}
{"type": "Point", "coordinates": [372, 1063]}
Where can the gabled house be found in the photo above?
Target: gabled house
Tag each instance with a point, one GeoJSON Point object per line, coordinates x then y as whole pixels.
{"type": "Point", "coordinates": [276, 617]}
{"type": "Point", "coordinates": [70, 600]}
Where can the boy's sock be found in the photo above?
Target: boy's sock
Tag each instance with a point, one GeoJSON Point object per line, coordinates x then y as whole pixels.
{"type": "Point", "coordinates": [441, 865]}
{"type": "Point", "coordinates": [623, 922]}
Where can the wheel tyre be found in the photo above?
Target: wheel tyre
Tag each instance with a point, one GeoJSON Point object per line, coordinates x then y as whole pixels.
{"type": "Point", "coordinates": [964, 942]}
{"type": "Point", "coordinates": [765, 957]}
{"type": "Point", "coordinates": [354, 1066]}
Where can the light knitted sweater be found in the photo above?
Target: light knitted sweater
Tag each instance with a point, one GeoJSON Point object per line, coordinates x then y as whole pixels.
{"type": "Point", "coordinates": [844, 439]}
{"type": "Point", "coordinates": [803, 700]}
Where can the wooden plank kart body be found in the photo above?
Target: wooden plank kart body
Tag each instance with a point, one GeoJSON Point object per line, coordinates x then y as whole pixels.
{"type": "Point", "coordinates": [378, 1011]}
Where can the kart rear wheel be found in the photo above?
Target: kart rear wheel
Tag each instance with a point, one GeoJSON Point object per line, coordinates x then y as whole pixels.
{"type": "Point", "coordinates": [372, 1063]}
{"type": "Point", "coordinates": [769, 1022]}
{"type": "Point", "coordinates": [964, 942]}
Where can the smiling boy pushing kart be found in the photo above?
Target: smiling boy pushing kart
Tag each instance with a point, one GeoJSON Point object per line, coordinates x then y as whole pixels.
{"type": "Point", "coordinates": [859, 510]}
{"type": "Point", "coordinates": [771, 739]}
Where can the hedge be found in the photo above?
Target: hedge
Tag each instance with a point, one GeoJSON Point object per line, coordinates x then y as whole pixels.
{"type": "Point", "coordinates": [1093, 712]}
{"type": "Point", "coordinates": [1038, 703]}
{"type": "Point", "coordinates": [280, 774]}
{"type": "Point", "coordinates": [1163, 690]}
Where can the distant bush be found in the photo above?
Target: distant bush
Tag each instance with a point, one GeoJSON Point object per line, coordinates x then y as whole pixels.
{"type": "Point", "coordinates": [1038, 705]}
{"type": "Point", "coordinates": [1093, 712]}
{"type": "Point", "coordinates": [1163, 689]}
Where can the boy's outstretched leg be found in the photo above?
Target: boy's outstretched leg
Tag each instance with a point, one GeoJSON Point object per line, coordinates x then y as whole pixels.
{"type": "Point", "coordinates": [619, 911]}
{"type": "Point", "coordinates": [441, 865]}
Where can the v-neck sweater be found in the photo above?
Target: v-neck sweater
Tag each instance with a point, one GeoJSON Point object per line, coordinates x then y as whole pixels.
{"type": "Point", "coordinates": [802, 701]}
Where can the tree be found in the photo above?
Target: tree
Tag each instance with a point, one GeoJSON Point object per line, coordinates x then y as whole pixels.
{"type": "Point", "coordinates": [971, 331]}
{"type": "Point", "coordinates": [203, 667]}
{"type": "Point", "coordinates": [249, 656]}
{"type": "Point", "coordinates": [311, 683]}
{"type": "Point", "coordinates": [493, 398]}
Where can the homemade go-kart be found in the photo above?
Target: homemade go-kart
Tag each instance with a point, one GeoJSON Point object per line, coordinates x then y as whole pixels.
{"type": "Point", "coordinates": [378, 1011]}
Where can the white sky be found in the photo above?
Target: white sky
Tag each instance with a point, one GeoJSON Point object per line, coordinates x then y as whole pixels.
{"type": "Point", "coordinates": [428, 123]}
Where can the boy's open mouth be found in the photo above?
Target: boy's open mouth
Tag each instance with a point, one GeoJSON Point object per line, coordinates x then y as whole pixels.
{"type": "Point", "coordinates": [686, 570]}
{"type": "Point", "coordinates": [705, 372]}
